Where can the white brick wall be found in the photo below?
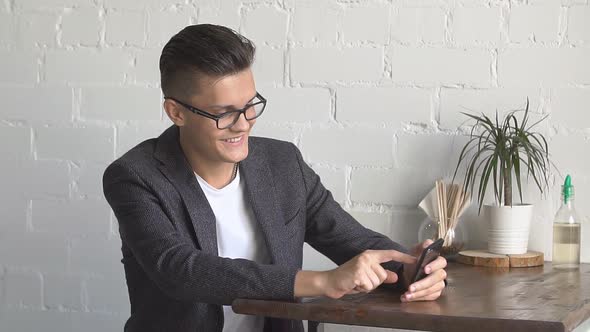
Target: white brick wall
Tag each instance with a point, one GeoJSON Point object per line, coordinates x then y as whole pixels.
{"type": "Point", "coordinates": [125, 27]}
{"type": "Point", "coordinates": [388, 186]}
{"type": "Point", "coordinates": [19, 67]}
{"type": "Point", "coordinates": [579, 24]}
{"type": "Point", "coordinates": [333, 64]}
{"type": "Point", "coordinates": [535, 22]}
{"type": "Point", "coordinates": [63, 291]}
{"type": "Point", "coordinates": [145, 70]}
{"type": "Point", "coordinates": [418, 25]}
{"type": "Point", "coordinates": [258, 21]}
{"type": "Point", "coordinates": [24, 289]}
{"type": "Point", "coordinates": [87, 143]}
{"type": "Point", "coordinates": [547, 67]}
{"type": "Point", "coordinates": [316, 22]}
{"type": "Point", "coordinates": [441, 66]}
{"type": "Point", "coordinates": [569, 107]}
{"type": "Point", "coordinates": [88, 66]}
{"type": "Point", "coordinates": [287, 105]}
{"type": "Point", "coordinates": [41, 103]}
{"type": "Point", "coordinates": [453, 101]}
{"type": "Point", "coordinates": [370, 91]}
{"type": "Point", "coordinates": [81, 26]}
{"type": "Point", "coordinates": [35, 29]}
{"type": "Point", "coordinates": [348, 146]}
{"type": "Point", "coordinates": [46, 178]}
{"type": "Point", "coordinates": [120, 103]}
{"type": "Point", "coordinates": [225, 13]}
{"type": "Point", "coordinates": [87, 216]}
{"type": "Point", "coordinates": [374, 28]}
{"type": "Point", "coordinates": [163, 24]}
{"type": "Point", "coordinates": [15, 142]}
{"type": "Point", "coordinates": [269, 65]}
{"type": "Point", "coordinates": [335, 180]}
{"type": "Point", "coordinates": [488, 21]}
{"type": "Point", "coordinates": [395, 106]}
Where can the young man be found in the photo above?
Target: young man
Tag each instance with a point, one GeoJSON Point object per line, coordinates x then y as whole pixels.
{"type": "Point", "coordinates": [208, 214]}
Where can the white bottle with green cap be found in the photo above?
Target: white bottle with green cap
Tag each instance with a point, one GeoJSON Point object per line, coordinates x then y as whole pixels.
{"type": "Point", "coordinates": [566, 230]}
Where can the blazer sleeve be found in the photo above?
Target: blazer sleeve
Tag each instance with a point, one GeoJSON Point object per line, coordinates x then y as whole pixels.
{"type": "Point", "coordinates": [333, 231]}
{"type": "Point", "coordinates": [173, 262]}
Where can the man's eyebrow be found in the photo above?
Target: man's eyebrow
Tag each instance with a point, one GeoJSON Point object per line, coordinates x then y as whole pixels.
{"type": "Point", "coordinates": [231, 106]}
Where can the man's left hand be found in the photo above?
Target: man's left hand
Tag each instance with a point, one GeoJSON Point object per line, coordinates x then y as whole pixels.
{"type": "Point", "coordinates": [430, 288]}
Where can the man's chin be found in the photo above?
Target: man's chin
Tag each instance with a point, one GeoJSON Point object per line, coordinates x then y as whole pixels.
{"type": "Point", "coordinates": [232, 154]}
{"type": "Point", "coordinates": [235, 158]}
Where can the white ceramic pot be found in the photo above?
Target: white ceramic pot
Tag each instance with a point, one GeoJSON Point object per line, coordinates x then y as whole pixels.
{"type": "Point", "coordinates": [508, 228]}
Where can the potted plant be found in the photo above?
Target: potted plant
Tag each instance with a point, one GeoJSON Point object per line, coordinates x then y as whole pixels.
{"type": "Point", "coordinates": [500, 151]}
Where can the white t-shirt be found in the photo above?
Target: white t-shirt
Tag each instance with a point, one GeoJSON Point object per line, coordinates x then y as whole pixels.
{"type": "Point", "coordinates": [238, 236]}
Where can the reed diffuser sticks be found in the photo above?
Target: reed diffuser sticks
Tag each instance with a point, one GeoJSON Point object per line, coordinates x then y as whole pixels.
{"type": "Point", "coordinates": [452, 201]}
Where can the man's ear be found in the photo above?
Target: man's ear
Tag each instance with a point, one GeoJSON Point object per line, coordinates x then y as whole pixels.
{"type": "Point", "coordinates": [175, 112]}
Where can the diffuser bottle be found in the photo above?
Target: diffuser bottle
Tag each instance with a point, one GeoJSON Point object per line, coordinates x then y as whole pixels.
{"type": "Point", "coordinates": [566, 230]}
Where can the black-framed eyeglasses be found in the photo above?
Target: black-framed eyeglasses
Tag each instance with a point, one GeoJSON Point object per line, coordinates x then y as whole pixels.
{"type": "Point", "coordinates": [225, 120]}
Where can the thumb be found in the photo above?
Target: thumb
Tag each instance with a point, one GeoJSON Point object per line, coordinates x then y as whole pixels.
{"type": "Point", "coordinates": [391, 277]}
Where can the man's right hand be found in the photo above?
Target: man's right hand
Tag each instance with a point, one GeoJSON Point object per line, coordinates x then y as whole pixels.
{"type": "Point", "coordinates": [362, 273]}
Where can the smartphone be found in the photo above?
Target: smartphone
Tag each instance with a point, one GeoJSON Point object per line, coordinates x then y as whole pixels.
{"type": "Point", "coordinates": [428, 255]}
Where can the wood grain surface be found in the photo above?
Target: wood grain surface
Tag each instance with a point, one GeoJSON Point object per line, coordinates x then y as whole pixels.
{"type": "Point", "coordinates": [476, 299]}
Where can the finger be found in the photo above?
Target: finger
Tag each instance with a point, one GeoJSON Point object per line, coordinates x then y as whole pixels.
{"type": "Point", "coordinates": [429, 281]}
{"type": "Point", "coordinates": [363, 284]}
{"type": "Point", "coordinates": [380, 272]}
{"type": "Point", "coordinates": [438, 264]}
{"type": "Point", "coordinates": [429, 297]}
{"type": "Point", "coordinates": [391, 277]}
{"type": "Point", "coordinates": [384, 256]}
{"type": "Point", "coordinates": [438, 287]}
{"type": "Point", "coordinates": [353, 291]}
{"type": "Point", "coordinates": [375, 280]}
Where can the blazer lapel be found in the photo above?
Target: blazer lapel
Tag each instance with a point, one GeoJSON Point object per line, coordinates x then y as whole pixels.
{"type": "Point", "coordinates": [260, 191]}
{"type": "Point", "coordinates": [179, 172]}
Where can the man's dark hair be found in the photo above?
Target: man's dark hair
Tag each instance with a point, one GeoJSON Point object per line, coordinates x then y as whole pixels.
{"type": "Point", "coordinates": [202, 50]}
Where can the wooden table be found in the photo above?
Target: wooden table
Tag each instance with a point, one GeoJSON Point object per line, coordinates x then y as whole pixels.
{"type": "Point", "coordinates": [476, 299]}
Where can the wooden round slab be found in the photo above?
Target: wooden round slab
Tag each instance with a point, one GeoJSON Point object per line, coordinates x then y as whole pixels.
{"type": "Point", "coordinates": [531, 258]}
{"type": "Point", "coordinates": [484, 258]}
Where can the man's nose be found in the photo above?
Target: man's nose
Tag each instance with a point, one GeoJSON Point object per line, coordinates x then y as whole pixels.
{"type": "Point", "coordinates": [241, 124]}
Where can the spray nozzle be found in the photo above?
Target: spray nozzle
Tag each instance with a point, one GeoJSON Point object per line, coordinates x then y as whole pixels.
{"type": "Point", "coordinates": [567, 189]}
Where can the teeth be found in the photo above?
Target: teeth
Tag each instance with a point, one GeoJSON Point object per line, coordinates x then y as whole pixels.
{"type": "Point", "coordinates": [233, 140]}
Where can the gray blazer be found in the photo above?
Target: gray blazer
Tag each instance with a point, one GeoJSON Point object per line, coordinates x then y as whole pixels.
{"type": "Point", "coordinates": [176, 280]}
